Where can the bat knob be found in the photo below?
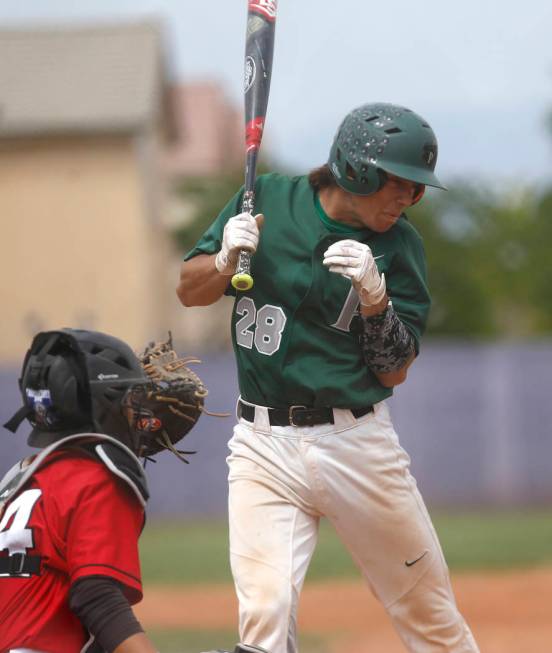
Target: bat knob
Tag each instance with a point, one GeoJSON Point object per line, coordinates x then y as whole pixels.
{"type": "Point", "coordinates": [242, 281]}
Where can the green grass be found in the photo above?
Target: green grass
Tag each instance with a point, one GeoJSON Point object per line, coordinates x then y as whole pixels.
{"type": "Point", "coordinates": [185, 552]}
{"type": "Point", "coordinates": [194, 641]}
{"type": "Point", "coordinates": [196, 552]}
{"type": "Point", "coordinates": [496, 540]}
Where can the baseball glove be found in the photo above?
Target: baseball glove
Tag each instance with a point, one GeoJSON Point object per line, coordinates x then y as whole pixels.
{"type": "Point", "coordinates": [168, 407]}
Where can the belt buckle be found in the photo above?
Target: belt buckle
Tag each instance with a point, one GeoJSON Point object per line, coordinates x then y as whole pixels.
{"type": "Point", "coordinates": [290, 413]}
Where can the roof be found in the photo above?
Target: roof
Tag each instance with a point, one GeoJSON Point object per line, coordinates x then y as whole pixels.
{"type": "Point", "coordinates": [85, 78]}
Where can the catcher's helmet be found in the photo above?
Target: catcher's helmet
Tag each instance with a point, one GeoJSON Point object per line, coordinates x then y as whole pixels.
{"type": "Point", "coordinates": [74, 381]}
{"type": "Point", "coordinates": [375, 139]}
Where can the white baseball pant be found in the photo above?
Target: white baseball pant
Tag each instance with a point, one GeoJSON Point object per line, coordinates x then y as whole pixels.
{"type": "Point", "coordinates": [355, 473]}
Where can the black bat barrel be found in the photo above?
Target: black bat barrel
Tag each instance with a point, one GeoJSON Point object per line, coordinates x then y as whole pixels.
{"type": "Point", "coordinates": [259, 47]}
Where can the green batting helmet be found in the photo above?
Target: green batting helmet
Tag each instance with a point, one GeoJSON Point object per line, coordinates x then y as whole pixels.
{"type": "Point", "coordinates": [375, 139]}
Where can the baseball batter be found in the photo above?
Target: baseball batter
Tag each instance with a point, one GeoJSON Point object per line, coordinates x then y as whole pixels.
{"type": "Point", "coordinates": [70, 517]}
{"type": "Point", "coordinates": [331, 325]}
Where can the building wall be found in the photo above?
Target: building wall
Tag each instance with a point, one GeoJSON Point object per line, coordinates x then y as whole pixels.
{"type": "Point", "coordinates": [210, 132]}
{"type": "Point", "coordinates": [81, 243]}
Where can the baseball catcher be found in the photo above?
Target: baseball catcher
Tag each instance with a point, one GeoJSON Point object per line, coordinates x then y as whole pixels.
{"type": "Point", "coordinates": [71, 515]}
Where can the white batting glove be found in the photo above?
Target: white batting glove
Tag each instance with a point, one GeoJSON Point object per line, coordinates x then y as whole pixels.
{"type": "Point", "coordinates": [240, 232]}
{"type": "Point", "coordinates": [355, 261]}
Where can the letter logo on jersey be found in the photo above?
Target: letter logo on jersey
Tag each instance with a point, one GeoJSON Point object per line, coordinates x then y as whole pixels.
{"type": "Point", "coordinates": [267, 8]}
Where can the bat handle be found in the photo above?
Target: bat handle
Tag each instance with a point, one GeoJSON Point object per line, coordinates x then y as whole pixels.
{"type": "Point", "coordinates": [242, 279]}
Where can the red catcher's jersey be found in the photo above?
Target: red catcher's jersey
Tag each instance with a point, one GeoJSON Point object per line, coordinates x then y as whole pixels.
{"type": "Point", "coordinates": [82, 521]}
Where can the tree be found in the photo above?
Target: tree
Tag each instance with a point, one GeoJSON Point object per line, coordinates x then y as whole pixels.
{"type": "Point", "coordinates": [487, 262]}
{"type": "Point", "coordinates": [206, 195]}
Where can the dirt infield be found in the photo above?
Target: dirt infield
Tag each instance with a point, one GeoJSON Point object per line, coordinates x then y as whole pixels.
{"type": "Point", "coordinates": [509, 612]}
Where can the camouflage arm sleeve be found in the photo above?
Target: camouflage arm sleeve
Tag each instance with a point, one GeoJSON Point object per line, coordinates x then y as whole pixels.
{"type": "Point", "coordinates": [386, 343]}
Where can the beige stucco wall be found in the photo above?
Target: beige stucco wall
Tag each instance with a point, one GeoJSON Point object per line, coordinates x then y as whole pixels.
{"type": "Point", "coordinates": [81, 244]}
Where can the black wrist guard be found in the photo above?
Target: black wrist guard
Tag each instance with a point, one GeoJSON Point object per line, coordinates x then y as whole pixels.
{"type": "Point", "coordinates": [385, 341]}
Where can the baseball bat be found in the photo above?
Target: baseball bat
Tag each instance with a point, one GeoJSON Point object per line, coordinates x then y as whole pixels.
{"type": "Point", "coordinates": [259, 47]}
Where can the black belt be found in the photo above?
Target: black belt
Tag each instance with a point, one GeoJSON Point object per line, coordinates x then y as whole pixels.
{"type": "Point", "coordinates": [19, 563]}
{"type": "Point", "coordinates": [298, 415]}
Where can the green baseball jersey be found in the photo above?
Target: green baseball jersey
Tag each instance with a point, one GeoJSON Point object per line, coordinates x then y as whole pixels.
{"type": "Point", "coordinates": [296, 331]}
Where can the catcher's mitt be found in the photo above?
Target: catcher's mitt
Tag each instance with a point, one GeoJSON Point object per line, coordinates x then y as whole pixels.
{"type": "Point", "coordinates": [166, 409]}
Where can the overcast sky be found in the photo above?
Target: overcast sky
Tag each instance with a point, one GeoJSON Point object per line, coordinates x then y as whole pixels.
{"type": "Point", "coordinates": [480, 71]}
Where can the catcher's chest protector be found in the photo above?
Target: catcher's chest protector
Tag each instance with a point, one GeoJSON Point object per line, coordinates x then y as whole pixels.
{"type": "Point", "coordinates": [113, 454]}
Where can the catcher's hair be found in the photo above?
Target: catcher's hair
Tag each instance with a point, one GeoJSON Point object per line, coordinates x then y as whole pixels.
{"type": "Point", "coordinates": [321, 178]}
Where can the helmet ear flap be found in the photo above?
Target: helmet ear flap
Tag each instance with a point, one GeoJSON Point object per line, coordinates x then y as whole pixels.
{"type": "Point", "coordinates": [368, 180]}
{"type": "Point", "coordinates": [67, 395]}
{"type": "Point", "coordinates": [64, 389]}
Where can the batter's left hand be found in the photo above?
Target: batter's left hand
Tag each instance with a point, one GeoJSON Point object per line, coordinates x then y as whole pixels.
{"type": "Point", "coordinates": [355, 261]}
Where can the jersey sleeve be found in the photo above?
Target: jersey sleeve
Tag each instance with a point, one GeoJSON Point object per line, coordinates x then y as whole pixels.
{"type": "Point", "coordinates": [102, 521]}
{"type": "Point", "coordinates": [407, 284]}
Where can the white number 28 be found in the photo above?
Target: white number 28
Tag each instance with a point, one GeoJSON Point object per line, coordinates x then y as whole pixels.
{"type": "Point", "coordinates": [269, 322]}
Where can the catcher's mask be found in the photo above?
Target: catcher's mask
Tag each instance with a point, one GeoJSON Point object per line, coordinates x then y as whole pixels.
{"type": "Point", "coordinates": [77, 381]}
{"type": "Point", "coordinates": [74, 381]}
{"type": "Point", "coordinates": [376, 139]}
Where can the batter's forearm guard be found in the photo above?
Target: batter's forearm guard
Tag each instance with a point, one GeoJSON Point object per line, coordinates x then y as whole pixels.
{"type": "Point", "coordinates": [386, 343]}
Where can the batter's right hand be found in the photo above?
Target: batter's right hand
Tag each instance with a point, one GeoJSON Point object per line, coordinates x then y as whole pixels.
{"type": "Point", "coordinates": [240, 232]}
